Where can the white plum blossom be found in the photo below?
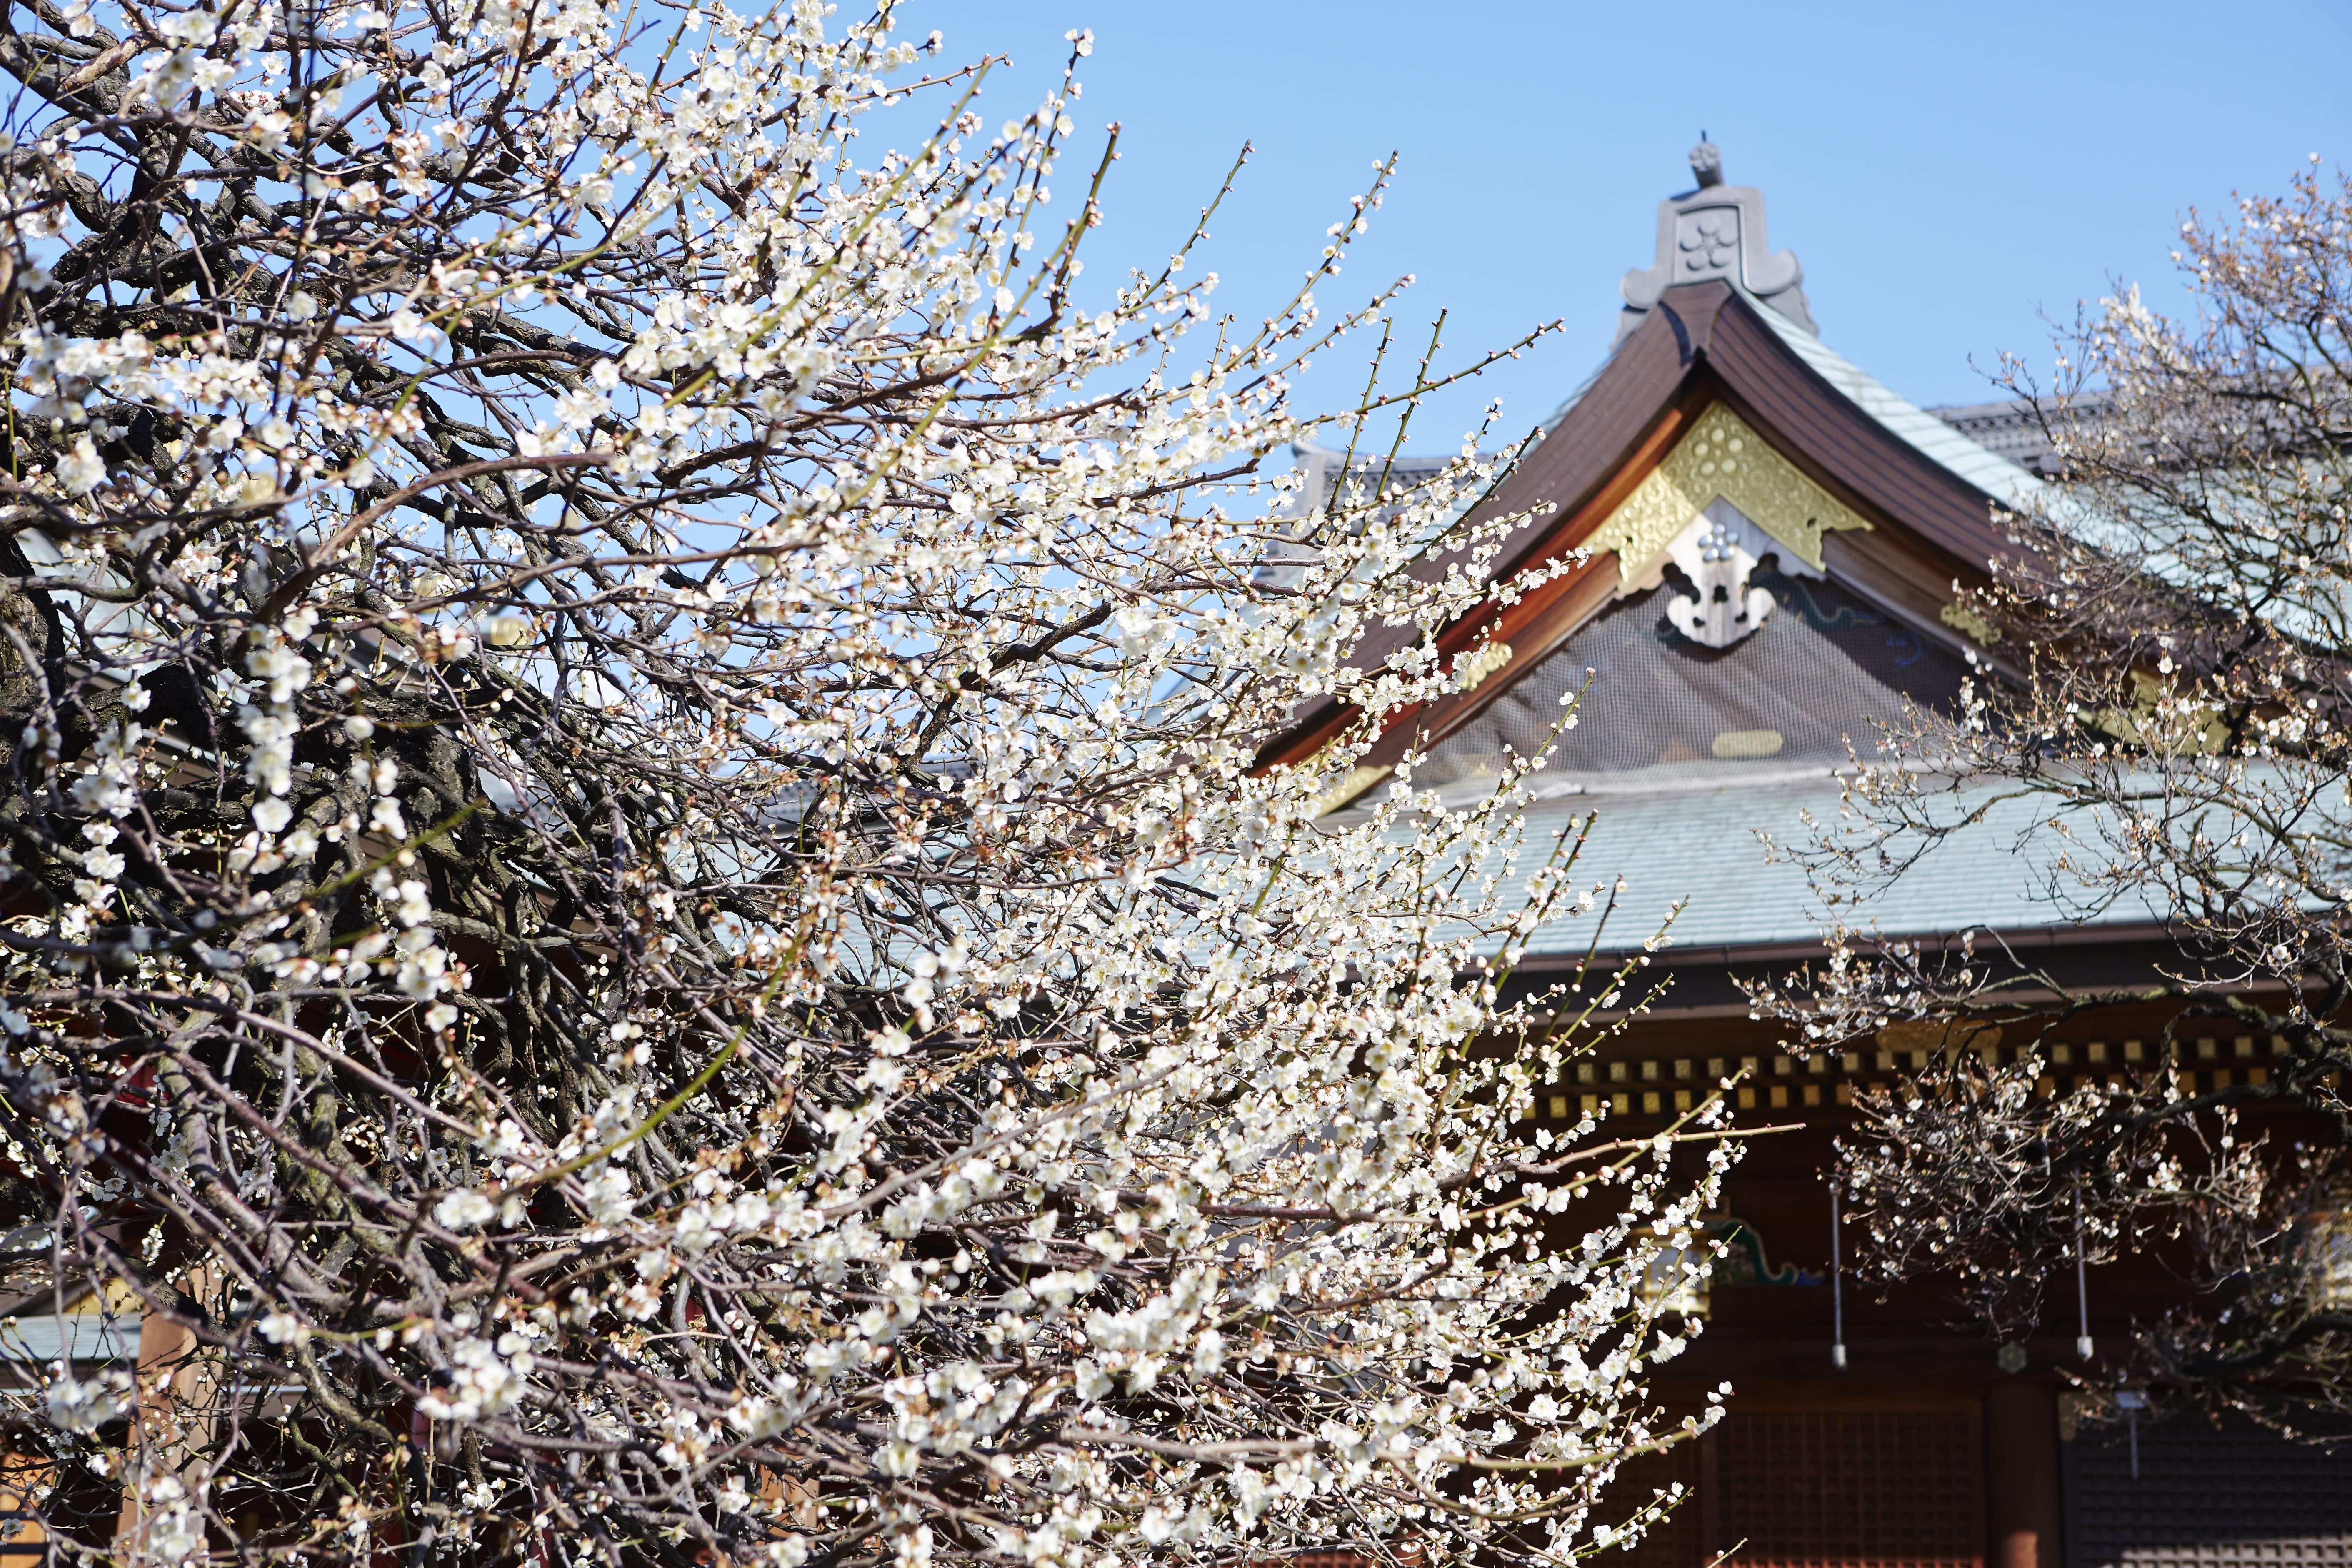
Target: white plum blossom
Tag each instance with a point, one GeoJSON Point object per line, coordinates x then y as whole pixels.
{"type": "Point", "coordinates": [482, 1379]}
{"type": "Point", "coordinates": [84, 1405]}
{"type": "Point", "coordinates": [81, 470]}
{"type": "Point", "coordinates": [464, 1210]}
{"type": "Point", "coordinates": [171, 1527]}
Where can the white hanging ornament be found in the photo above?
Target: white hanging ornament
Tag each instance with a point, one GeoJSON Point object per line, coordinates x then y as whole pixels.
{"type": "Point", "coordinates": [1718, 553]}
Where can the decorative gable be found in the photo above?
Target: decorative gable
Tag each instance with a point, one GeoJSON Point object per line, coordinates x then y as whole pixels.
{"type": "Point", "coordinates": [1720, 456]}
{"type": "Point", "coordinates": [1655, 707]}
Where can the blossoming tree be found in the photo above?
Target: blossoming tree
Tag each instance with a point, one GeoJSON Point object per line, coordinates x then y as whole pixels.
{"type": "Point", "coordinates": [2173, 703]}
{"type": "Point", "coordinates": [639, 911]}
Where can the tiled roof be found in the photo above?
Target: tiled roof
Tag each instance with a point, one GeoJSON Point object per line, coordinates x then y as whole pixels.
{"type": "Point", "coordinates": [2007, 430]}
{"type": "Point", "coordinates": [1686, 828]}
{"type": "Point", "coordinates": [76, 1336]}
{"type": "Point", "coordinates": [1699, 843]}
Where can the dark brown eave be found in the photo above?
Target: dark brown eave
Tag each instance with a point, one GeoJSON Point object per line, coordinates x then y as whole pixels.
{"type": "Point", "coordinates": [1706, 981]}
{"type": "Point", "coordinates": [1704, 343]}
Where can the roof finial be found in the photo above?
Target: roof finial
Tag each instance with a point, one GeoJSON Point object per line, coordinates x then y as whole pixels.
{"type": "Point", "coordinates": [1707, 162]}
{"type": "Point", "coordinates": [1714, 232]}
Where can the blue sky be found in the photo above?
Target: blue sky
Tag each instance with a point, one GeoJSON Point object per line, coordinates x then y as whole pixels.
{"type": "Point", "coordinates": [1945, 175]}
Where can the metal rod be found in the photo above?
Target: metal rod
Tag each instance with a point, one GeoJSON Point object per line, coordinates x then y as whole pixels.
{"type": "Point", "coordinates": [2083, 1345]}
{"type": "Point", "coordinates": [2131, 1402]}
{"type": "Point", "coordinates": [1837, 1290]}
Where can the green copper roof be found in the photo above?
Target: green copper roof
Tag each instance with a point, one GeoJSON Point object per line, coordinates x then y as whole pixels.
{"type": "Point", "coordinates": [1701, 844]}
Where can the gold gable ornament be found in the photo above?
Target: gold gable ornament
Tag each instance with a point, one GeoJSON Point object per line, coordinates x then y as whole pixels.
{"type": "Point", "coordinates": [1719, 501]}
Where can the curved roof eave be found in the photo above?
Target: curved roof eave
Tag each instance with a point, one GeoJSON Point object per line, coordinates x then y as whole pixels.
{"type": "Point", "coordinates": [1701, 342]}
{"type": "Point", "coordinates": [1987, 470]}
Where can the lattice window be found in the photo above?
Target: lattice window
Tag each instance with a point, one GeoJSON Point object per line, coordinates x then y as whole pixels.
{"type": "Point", "coordinates": [2236, 1496]}
{"type": "Point", "coordinates": [1817, 1490]}
{"type": "Point", "coordinates": [1835, 1488]}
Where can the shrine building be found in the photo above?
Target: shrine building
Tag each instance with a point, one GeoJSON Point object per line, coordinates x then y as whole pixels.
{"type": "Point", "coordinates": [1776, 545]}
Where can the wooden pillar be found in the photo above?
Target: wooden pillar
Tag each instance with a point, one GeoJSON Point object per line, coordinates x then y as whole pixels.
{"type": "Point", "coordinates": [1710, 1518]}
{"type": "Point", "coordinates": [163, 1349]}
{"type": "Point", "coordinates": [2021, 1430]}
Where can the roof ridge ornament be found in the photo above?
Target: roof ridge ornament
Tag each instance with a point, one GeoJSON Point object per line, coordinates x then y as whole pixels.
{"type": "Point", "coordinates": [1706, 163]}
{"type": "Point", "coordinates": [1715, 231]}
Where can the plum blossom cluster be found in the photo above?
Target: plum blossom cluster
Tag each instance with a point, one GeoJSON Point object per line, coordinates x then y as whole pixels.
{"type": "Point", "coordinates": [640, 905]}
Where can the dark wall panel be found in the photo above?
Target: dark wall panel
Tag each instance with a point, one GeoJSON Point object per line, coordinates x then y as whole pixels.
{"type": "Point", "coordinates": [2235, 1496]}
